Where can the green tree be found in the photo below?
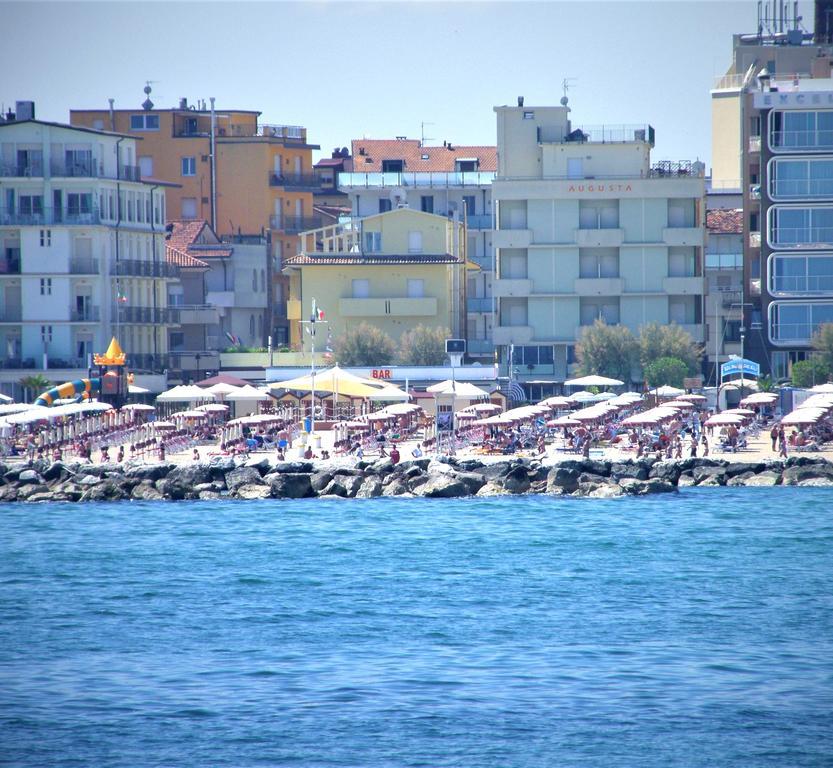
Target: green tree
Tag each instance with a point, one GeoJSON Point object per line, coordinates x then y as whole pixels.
{"type": "Point", "coordinates": [656, 341]}
{"type": "Point", "coordinates": [423, 346]}
{"type": "Point", "coordinates": [666, 371]}
{"type": "Point", "coordinates": [364, 345]}
{"type": "Point", "coordinates": [808, 373]}
{"type": "Point", "coordinates": [607, 350]}
{"type": "Point", "coordinates": [823, 343]}
{"type": "Point", "coordinates": [765, 384]}
{"type": "Point", "coordinates": [34, 385]}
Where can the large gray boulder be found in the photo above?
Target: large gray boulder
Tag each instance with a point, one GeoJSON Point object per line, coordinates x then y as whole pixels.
{"type": "Point", "coordinates": [645, 487]}
{"type": "Point", "coordinates": [493, 488]}
{"type": "Point", "coordinates": [242, 476]}
{"type": "Point", "coordinates": [666, 470]}
{"type": "Point", "coordinates": [109, 490]}
{"type": "Point", "coordinates": [633, 470]}
{"type": "Point", "coordinates": [29, 477]}
{"type": "Point", "coordinates": [370, 488]}
{"type": "Point", "coordinates": [146, 491]}
{"type": "Point", "coordinates": [397, 487]}
{"type": "Point", "coordinates": [188, 475]}
{"type": "Point", "coordinates": [154, 472]}
{"type": "Point", "coordinates": [289, 485]}
{"type": "Point", "coordinates": [441, 486]}
{"type": "Point", "coordinates": [517, 480]}
{"type": "Point", "coordinates": [320, 480]}
{"type": "Point", "coordinates": [473, 481]}
{"type": "Point", "coordinates": [716, 475]}
{"type": "Point", "coordinates": [292, 467]}
{"type": "Point", "coordinates": [763, 480]}
{"type": "Point", "coordinates": [796, 473]}
{"type": "Point", "coordinates": [252, 491]}
{"type": "Point", "coordinates": [562, 479]}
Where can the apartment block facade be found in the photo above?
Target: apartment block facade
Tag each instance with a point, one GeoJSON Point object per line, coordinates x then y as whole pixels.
{"type": "Point", "coordinates": [83, 252]}
{"type": "Point", "coordinates": [586, 228]}
{"type": "Point", "coordinates": [244, 177]}
{"type": "Point", "coordinates": [448, 180]}
{"type": "Point", "coordinates": [772, 135]}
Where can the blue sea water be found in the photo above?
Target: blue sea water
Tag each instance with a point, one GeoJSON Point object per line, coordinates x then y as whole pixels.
{"type": "Point", "coordinates": [690, 630]}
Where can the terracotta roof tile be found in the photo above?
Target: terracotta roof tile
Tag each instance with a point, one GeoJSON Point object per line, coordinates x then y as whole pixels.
{"type": "Point", "coordinates": [341, 259]}
{"type": "Point", "coordinates": [416, 157]}
{"type": "Point", "coordinates": [182, 259]}
{"type": "Point", "coordinates": [184, 233]}
{"type": "Point", "coordinates": [725, 221]}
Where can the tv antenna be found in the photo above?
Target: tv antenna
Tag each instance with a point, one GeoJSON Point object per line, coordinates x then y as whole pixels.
{"type": "Point", "coordinates": [424, 138]}
{"type": "Point", "coordinates": [566, 84]}
{"type": "Point", "coordinates": [147, 104]}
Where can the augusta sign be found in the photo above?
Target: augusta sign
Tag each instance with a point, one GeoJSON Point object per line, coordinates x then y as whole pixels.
{"type": "Point", "coordinates": [739, 365]}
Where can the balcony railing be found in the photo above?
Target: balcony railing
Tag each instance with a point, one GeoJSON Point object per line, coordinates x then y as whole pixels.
{"type": "Point", "coordinates": [294, 180]}
{"type": "Point", "coordinates": [293, 224]}
{"type": "Point", "coordinates": [724, 261]}
{"type": "Point", "coordinates": [17, 363]}
{"type": "Point", "coordinates": [290, 132]}
{"type": "Point", "coordinates": [801, 188]}
{"type": "Point", "coordinates": [802, 284]}
{"type": "Point", "coordinates": [82, 169]}
{"type": "Point", "coordinates": [812, 237]}
{"type": "Point", "coordinates": [417, 179]}
{"type": "Point", "coordinates": [85, 315]}
{"type": "Point", "coordinates": [602, 134]}
{"type": "Point", "coordinates": [83, 265]}
{"type": "Point", "coordinates": [9, 266]}
{"type": "Point", "coordinates": [10, 314]}
{"type": "Point", "coordinates": [130, 172]}
{"type": "Point", "coordinates": [139, 268]}
{"type": "Point", "coordinates": [123, 313]}
{"type": "Point", "coordinates": [45, 216]}
{"type": "Point", "coordinates": [802, 140]}
{"type": "Point", "coordinates": [31, 170]}
{"type": "Point", "coordinates": [480, 221]}
{"type": "Point", "coordinates": [479, 305]}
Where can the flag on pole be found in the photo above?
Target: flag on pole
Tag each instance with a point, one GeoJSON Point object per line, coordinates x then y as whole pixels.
{"type": "Point", "coordinates": [233, 339]}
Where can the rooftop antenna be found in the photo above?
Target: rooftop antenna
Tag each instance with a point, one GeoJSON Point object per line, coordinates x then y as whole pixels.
{"type": "Point", "coordinates": [424, 138]}
{"type": "Point", "coordinates": [566, 84]}
{"type": "Point", "coordinates": [147, 104]}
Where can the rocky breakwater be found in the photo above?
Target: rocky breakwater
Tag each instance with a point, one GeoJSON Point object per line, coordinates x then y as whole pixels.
{"type": "Point", "coordinates": [263, 478]}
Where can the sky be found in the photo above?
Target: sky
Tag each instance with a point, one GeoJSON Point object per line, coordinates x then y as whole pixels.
{"type": "Point", "coordinates": [349, 70]}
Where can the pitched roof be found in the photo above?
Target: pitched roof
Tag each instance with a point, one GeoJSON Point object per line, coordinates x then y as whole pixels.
{"type": "Point", "coordinates": [369, 153]}
{"type": "Point", "coordinates": [182, 259]}
{"type": "Point", "coordinates": [358, 259]}
{"type": "Point", "coordinates": [182, 239]}
{"type": "Point", "coordinates": [725, 221]}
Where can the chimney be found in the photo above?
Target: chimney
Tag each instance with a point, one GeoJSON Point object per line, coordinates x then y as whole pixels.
{"type": "Point", "coordinates": [112, 115]}
{"type": "Point", "coordinates": [183, 103]}
{"type": "Point", "coordinates": [520, 101]}
{"type": "Point", "coordinates": [25, 110]}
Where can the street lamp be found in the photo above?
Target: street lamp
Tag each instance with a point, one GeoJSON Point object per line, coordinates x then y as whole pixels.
{"type": "Point", "coordinates": [197, 358]}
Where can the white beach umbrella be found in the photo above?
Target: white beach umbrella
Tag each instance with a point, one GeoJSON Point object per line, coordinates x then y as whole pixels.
{"type": "Point", "coordinates": [185, 393]}
{"type": "Point", "coordinates": [825, 388]}
{"type": "Point", "coordinates": [248, 393]}
{"type": "Point", "coordinates": [593, 381]}
{"type": "Point", "coordinates": [459, 388]}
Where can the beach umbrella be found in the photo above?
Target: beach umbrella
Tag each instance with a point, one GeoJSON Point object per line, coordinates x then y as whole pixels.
{"type": "Point", "coordinates": [564, 421]}
{"type": "Point", "coordinates": [556, 401]}
{"type": "Point", "coordinates": [679, 404]}
{"type": "Point", "coordinates": [759, 398]}
{"type": "Point", "coordinates": [248, 393]}
{"type": "Point", "coordinates": [135, 389]}
{"type": "Point", "coordinates": [163, 425]}
{"type": "Point", "coordinates": [692, 398]}
{"type": "Point", "coordinates": [6, 398]}
{"type": "Point", "coordinates": [222, 388]}
{"type": "Point", "coordinates": [622, 401]}
{"type": "Point", "coordinates": [332, 380]}
{"type": "Point", "coordinates": [740, 411]}
{"type": "Point", "coordinates": [483, 408]}
{"type": "Point", "coordinates": [724, 420]}
{"type": "Point", "coordinates": [593, 381]}
{"type": "Point", "coordinates": [391, 394]}
{"type": "Point", "coordinates": [138, 407]}
{"type": "Point", "coordinates": [668, 391]}
{"type": "Point", "coordinates": [458, 388]}
{"type": "Point", "coordinates": [802, 416]}
{"type": "Point", "coordinates": [818, 401]}
{"type": "Point", "coordinates": [191, 415]}
{"type": "Point", "coordinates": [212, 408]}
{"type": "Point", "coordinates": [825, 388]}
{"type": "Point", "coordinates": [184, 393]}
{"type": "Point", "coordinates": [582, 396]}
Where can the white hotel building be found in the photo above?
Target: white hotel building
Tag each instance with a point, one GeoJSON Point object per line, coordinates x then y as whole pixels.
{"type": "Point", "coordinates": [587, 227]}
{"type": "Point", "coordinates": [83, 249]}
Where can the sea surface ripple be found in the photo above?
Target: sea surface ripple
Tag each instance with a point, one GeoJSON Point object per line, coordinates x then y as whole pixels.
{"type": "Point", "coordinates": [686, 630]}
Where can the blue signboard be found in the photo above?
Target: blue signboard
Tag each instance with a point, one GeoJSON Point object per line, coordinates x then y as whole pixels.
{"type": "Point", "coordinates": [739, 365]}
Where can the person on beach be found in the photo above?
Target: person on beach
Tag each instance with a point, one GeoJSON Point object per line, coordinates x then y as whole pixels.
{"type": "Point", "coordinates": [161, 451]}
{"type": "Point", "coordinates": [774, 436]}
{"type": "Point", "coordinates": [120, 454]}
{"type": "Point", "coordinates": [782, 442]}
{"type": "Point", "coordinates": [394, 455]}
{"type": "Point", "coordinates": [417, 452]}
{"type": "Point", "coordinates": [705, 443]}
{"type": "Point", "coordinates": [693, 449]}
{"type": "Point", "coordinates": [196, 455]}
{"type": "Point", "coordinates": [281, 456]}
{"type": "Point", "coordinates": [678, 448]}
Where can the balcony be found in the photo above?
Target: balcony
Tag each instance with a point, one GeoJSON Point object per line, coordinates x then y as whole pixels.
{"type": "Point", "coordinates": [85, 315]}
{"type": "Point", "coordinates": [130, 173]}
{"type": "Point", "coordinates": [10, 314]}
{"type": "Point", "coordinates": [600, 238]}
{"type": "Point", "coordinates": [416, 179]}
{"type": "Point", "coordinates": [480, 347]}
{"type": "Point", "coordinates": [124, 313]}
{"type": "Point", "coordinates": [512, 238]}
{"type": "Point", "coordinates": [754, 143]}
{"type": "Point", "coordinates": [140, 268]}
{"type": "Point", "coordinates": [754, 239]}
{"type": "Point", "coordinates": [83, 265]}
{"type": "Point", "coordinates": [672, 236]}
{"type": "Point", "coordinates": [224, 299]}
{"type": "Point", "coordinates": [84, 169]}
{"type": "Point", "coordinates": [482, 305]}
{"type": "Point", "coordinates": [198, 314]}
{"type": "Point", "coordinates": [9, 265]}
{"type": "Point", "coordinates": [512, 287]}
{"type": "Point", "coordinates": [295, 224]}
{"type": "Point", "coordinates": [599, 286]}
{"type": "Point", "coordinates": [684, 285]}
{"type": "Point", "coordinates": [33, 169]}
{"type": "Point", "coordinates": [294, 181]}
{"type": "Point", "coordinates": [724, 261]}
{"type": "Point", "coordinates": [291, 133]}
{"type": "Point", "coordinates": [293, 309]}
{"type": "Point", "coordinates": [730, 299]}
{"type": "Point", "coordinates": [398, 307]}
{"type": "Point", "coordinates": [479, 221]}
{"type": "Point", "coordinates": [512, 334]}
{"type": "Point", "coordinates": [602, 134]}
{"type": "Point", "coordinates": [41, 217]}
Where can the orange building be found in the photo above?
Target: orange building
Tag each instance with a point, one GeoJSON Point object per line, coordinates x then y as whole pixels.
{"type": "Point", "coordinates": [262, 183]}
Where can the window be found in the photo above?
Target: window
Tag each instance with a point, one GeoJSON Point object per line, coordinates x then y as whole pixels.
{"type": "Point", "coordinates": [176, 296]}
{"type": "Point", "coordinates": [682, 310]}
{"type": "Point", "coordinates": [801, 179]}
{"type": "Point", "coordinates": [392, 166]}
{"type": "Point", "coordinates": [680, 213]}
{"type": "Point", "coordinates": [414, 242]}
{"type": "Point", "coordinates": [251, 325]}
{"type": "Point", "coordinates": [176, 341]}
{"type": "Point", "coordinates": [800, 226]}
{"type": "Point", "coordinates": [45, 238]}
{"type": "Point", "coordinates": [78, 203]}
{"type": "Point", "coordinates": [260, 326]}
{"type": "Point", "coordinates": [46, 286]}
{"type": "Point", "coordinates": [780, 362]}
{"type": "Point", "coordinates": [372, 242]}
{"type": "Point", "coordinates": [361, 289]}
{"type": "Point", "coordinates": [681, 262]}
{"type": "Point", "coordinates": [598, 262]}
{"type": "Point", "coordinates": [603, 308]}
{"type": "Point", "coordinates": [755, 126]}
{"type": "Point", "coordinates": [254, 280]}
{"type": "Point", "coordinates": [426, 203]}
{"type": "Point", "coordinates": [469, 203]}
{"type": "Point", "coordinates": [801, 274]}
{"type": "Point", "coordinates": [731, 330]}
{"type": "Point", "coordinates": [30, 205]}
{"type": "Point", "coordinates": [189, 207]}
{"type": "Point", "coordinates": [78, 162]}
{"type": "Point", "coordinates": [575, 168]}
{"type": "Point", "coordinates": [513, 264]}
{"type": "Point", "coordinates": [513, 312]}
{"type": "Point", "coordinates": [529, 115]}
{"type": "Point", "coordinates": [801, 130]}
{"type": "Point", "coordinates": [146, 167]}
{"type": "Point", "coordinates": [416, 288]}
{"type": "Point", "coordinates": [598, 214]}
{"type": "Point", "coordinates": [532, 356]}
{"type": "Point", "coordinates": [263, 281]}
{"type": "Point", "coordinates": [144, 122]}
{"type": "Point", "coordinates": [189, 166]}
{"type": "Point", "coordinates": [466, 165]}
{"type": "Point", "coordinates": [98, 125]}
{"type": "Point", "coordinates": [46, 333]}
{"type": "Point", "coordinates": [797, 321]}
{"type": "Point", "coordinates": [384, 205]}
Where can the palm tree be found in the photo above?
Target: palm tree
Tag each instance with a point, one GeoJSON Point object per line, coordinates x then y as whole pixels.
{"type": "Point", "coordinates": [34, 384]}
{"type": "Point", "coordinates": [765, 384]}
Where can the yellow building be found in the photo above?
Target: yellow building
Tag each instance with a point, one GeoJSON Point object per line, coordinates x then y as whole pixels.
{"type": "Point", "coordinates": [263, 178]}
{"type": "Point", "coordinates": [394, 270]}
